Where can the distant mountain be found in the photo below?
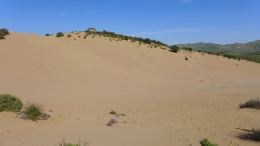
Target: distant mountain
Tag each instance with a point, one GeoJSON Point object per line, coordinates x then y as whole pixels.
{"type": "Point", "coordinates": [237, 48]}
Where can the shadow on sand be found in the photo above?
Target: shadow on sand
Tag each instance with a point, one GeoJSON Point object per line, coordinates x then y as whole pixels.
{"type": "Point", "coordinates": [247, 135]}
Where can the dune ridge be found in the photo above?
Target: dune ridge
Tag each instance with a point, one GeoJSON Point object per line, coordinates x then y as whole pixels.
{"type": "Point", "coordinates": [166, 99]}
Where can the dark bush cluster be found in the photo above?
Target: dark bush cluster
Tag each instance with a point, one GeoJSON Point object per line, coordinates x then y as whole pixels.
{"type": "Point", "coordinates": [187, 49]}
{"type": "Point", "coordinates": [59, 34]}
{"type": "Point", "coordinates": [120, 37]}
{"type": "Point", "coordinates": [47, 34]}
{"type": "Point", "coordinates": [250, 57]}
{"type": "Point", "coordinates": [251, 104]}
{"type": "Point", "coordinates": [256, 134]}
{"type": "Point", "coordinates": [174, 48]}
{"type": "Point", "coordinates": [3, 33]}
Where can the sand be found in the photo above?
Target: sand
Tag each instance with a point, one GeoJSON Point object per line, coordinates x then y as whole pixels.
{"type": "Point", "coordinates": [166, 99]}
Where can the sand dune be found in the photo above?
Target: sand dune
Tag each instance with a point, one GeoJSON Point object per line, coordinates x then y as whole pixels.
{"type": "Point", "coordinates": [166, 99]}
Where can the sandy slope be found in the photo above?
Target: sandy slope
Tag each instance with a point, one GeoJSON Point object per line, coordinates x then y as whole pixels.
{"type": "Point", "coordinates": [167, 100]}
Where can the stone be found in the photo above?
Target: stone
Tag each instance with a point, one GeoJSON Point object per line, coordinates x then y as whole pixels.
{"type": "Point", "coordinates": [20, 112]}
{"type": "Point", "coordinates": [45, 116]}
{"type": "Point", "coordinates": [24, 117]}
{"type": "Point", "coordinates": [111, 122]}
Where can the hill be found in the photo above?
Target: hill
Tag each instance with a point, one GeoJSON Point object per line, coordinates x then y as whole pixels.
{"type": "Point", "coordinates": [168, 98]}
{"type": "Point", "coordinates": [237, 48]}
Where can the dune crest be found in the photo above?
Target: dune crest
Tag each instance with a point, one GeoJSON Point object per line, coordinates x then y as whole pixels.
{"type": "Point", "coordinates": [167, 100]}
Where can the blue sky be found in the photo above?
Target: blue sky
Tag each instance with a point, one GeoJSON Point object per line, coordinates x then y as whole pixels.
{"type": "Point", "coordinates": [169, 21]}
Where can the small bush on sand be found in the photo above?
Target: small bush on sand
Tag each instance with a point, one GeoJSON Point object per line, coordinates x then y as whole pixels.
{"type": "Point", "coordinates": [174, 48]}
{"type": "Point", "coordinates": [69, 35]}
{"type": "Point", "coordinates": [59, 34]}
{"type": "Point", "coordinates": [5, 31]}
{"type": "Point", "coordinates": [47, 34]}
{"type": "Point", "coordinates": [186, 58]}
{"type": "Point", "coordinates": [2, 35]}
{"type": "Point", "coordinates": [206, 142]}
{"type": "Point", "coordinates": [256, 134]}
{"type": "Point", "coordinates": [251, 104]}
{"type": "Point", "coordinates": [113, 112]}
{"type": "Point", "coordinates": [10, 103]}
{"type": "Point", "coordinates": [33, 111]}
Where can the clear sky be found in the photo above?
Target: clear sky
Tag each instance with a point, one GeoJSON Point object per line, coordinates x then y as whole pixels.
{"type": "Point", "coordinates": [169, 21]}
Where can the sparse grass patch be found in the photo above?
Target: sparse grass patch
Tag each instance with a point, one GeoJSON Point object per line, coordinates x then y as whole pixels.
{"type": "Point", "coordinates": [33, 110]}
{"type": "Point", "coordinates": [206, 142]}
{"type": "Point", "coordinates": [10, 103]}
{"type": "Point", "coordinates": [69, 35]}
{"type": "Point", "coordinates": [251, 104]}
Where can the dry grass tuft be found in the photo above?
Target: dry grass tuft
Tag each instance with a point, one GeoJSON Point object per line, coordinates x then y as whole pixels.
{"type": "Point", "coordinates": [64, 143]}
{"type": "Point", "coordinates": [33, 110]}
{"type": "Point", "coordinates": [251, 104]}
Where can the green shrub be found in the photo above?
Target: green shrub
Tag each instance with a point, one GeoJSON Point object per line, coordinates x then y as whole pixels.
{"type": "Point", "coordinates": [174, 48]}
{"type": "Point", "coordinates": [59, 34]}
{"type": "Point", "coordinates": [186, 58]}
{"type": "Point", "coordinates": [47, 34]}
{"type": "Point", "coordinates": [5, 31]}
{"type": "Point", "coordinates": [33, 111]}
{"type": "Point", "coordinates": [10, 103]}
{"type": "Point", "coordinates": [69, 35]}
{"type": "Point", "coordinates": [206, 142]}
{"type": "Point", "coordinates": [251, 104]}
{"type": "Point", "coordinates": [113, 112]}
{"type": "Point", "coordinates": [190, 49]}
{"type": "Point", "coordinates": [2, 35]}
